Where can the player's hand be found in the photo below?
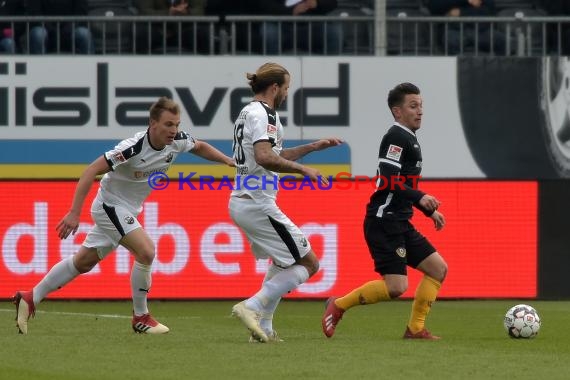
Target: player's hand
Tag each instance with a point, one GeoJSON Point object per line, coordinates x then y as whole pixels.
{"type": "Point", "coordinates": [438, 220]}
{"type": "Point", "coordinates": [315, 175]}
{"type": "Point", "coordinates": [327, 143]}
{"type": "Point", "coordinates": [231, 162]}
{"type": "Point", "coordinates": [429, 202]}
{"type": "Point", "coordinates": [68, 225]}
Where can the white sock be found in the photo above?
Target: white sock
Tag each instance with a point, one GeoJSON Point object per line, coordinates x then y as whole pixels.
{"type": "Point", "coordinates": [140, 286]}
{"type": "Point", "coordinates": [280, 284]}
{"type": "Point", "coordinates": [266, 320]}
{"type": "Point", "coordinates": [59, 275]}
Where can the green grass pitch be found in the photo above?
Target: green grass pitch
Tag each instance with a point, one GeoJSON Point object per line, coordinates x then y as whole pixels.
{"type": "Point", "coordinates": [93, 340]}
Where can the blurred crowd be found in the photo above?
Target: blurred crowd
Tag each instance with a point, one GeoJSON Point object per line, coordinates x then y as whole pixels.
{"type": "Point", "coordinates": [263, 35]}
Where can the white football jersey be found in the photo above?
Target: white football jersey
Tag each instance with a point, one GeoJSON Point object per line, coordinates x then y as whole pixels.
{"type": "Point", "coordinates": [131, 163]}
{"type": "Point", "coordinates": [256, 122]}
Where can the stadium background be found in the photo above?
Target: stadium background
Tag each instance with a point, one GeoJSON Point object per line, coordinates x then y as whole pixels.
{"type": "Point", "coordinates": [505, 236]}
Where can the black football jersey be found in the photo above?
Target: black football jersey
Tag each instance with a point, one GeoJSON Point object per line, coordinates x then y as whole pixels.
{"type": "Point", "coordinates": [398, 174]}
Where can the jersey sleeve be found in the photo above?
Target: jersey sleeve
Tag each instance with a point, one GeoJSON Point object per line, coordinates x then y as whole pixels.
{"type": "Point", "coordinates": [184, 141]}
{"type": "Point", "coordinates": [122, 152]}
{"type": "Point", "coordinates": [261, 128]}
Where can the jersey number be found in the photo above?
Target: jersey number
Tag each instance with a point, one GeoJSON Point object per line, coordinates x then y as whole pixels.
{"type": "Point", "coordinates": [236, 146]}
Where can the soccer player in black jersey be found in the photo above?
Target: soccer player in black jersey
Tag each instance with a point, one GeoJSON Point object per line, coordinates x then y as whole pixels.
{"type": "Point", "coordinates": [393, 241]}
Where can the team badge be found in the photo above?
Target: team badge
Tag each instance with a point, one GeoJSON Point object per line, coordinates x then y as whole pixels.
{"type": "Point", "coordinates": [169, 157]}
{"type": "Point", "coordinates": [129, 219]}
{"type": "Point", "coordinates": [394, 152]}
{"type": "Point", "coordinates": [401, 252]}
{"type": "Point", "coordinates": [304, 242]}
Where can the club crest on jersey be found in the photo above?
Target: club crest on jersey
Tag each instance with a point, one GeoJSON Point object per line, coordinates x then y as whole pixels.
{"type": "Point", "coordinates": [169, 157]}
{"type": "Point", "coordinates": [304, 242]}
{"type": "Point", "coordinates": [401, 251]}
{"type": "Point", "coordinates": [129, 219]}
{"type": "Point", "coordinates": [394, 152]}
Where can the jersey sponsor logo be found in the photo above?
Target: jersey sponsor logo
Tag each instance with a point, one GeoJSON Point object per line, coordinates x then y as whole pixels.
{"type": "Point", "coordinates": [401, 251]}
{"type": "Point", "coordinates": [418, 164]}
{"type": "Point", "coordinates": [140, 174]}
{"type": "Point", "coordinates": [394, 152]}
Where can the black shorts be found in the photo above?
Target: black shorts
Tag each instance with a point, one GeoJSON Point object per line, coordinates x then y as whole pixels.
{"type": "Point", "coordinates": [395, 244]}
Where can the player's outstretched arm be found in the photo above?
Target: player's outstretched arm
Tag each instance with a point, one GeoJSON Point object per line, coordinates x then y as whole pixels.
{"type": "Point", "coordinates": [70, 222]}
{"type": "Point", "coordinates": [266, 157]}
{"type": "Point", "coordinates": [208, 152]}
{"type": "Point", "coordinates": [300, 151]}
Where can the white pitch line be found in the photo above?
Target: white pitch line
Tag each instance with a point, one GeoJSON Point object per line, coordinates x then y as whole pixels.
{"type": "Point", "coordinates": [91, 315]}
{"type": "Point", "coordinates": [74, 314]}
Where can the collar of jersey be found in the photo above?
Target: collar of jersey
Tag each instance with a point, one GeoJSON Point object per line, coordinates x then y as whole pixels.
{"type": "Point", "coordinates": [404, 128]}
{"type": "Point", "coordinates": [150, 144]}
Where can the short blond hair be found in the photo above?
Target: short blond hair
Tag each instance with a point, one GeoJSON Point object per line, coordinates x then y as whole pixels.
{"type": "Point", "coordinates": [161, 105]}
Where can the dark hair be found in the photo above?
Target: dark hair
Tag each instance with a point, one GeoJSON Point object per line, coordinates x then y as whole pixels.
{"type": "Point", "coordinates": [161, 105]}
{"type": "Point", "coordinates": [267, 74]}
{"type": "Point", "coordinates": [397, 94]}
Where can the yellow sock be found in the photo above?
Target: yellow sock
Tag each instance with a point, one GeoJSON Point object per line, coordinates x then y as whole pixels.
{"type": "Point", "coordinates": [369, 293]}
{"type": "Point", "coordinates": [426, 293]}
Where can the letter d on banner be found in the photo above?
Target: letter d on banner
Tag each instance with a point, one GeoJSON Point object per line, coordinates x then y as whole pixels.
{"type": "Point", "coordinates": [38, 232]}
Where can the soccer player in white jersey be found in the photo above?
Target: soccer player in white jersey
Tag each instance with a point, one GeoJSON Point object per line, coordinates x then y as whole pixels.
{"type": "Point", "coordinates": [114, 210]}
{"type": "Point", "coordinates": [259, 157]}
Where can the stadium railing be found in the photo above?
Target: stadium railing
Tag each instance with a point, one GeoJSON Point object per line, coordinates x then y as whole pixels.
{"type": "Point", "coordinates": [241, 35]}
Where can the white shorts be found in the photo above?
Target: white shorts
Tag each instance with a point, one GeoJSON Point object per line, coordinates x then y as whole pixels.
{"type": "Point", "coordinates": [270, 232]}
{"type": "Point", "coordinates": [111, 224]}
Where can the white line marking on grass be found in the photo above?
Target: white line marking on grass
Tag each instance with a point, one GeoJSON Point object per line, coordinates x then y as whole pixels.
{"type": "Point", "coordinates": [92, 315]}
{"type": "Point", "coordinates": [76, 314]}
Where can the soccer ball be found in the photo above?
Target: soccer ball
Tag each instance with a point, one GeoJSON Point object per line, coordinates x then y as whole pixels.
{"type": "Point", "coordinates": [522, 321]}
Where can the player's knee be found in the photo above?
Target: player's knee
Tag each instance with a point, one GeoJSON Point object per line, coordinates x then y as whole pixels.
{"type": "Point", "coordinates": [84, 267]}
{"type": "Point", "coordinates": [397, 290]}
{"type": "Point", "coordinates": [313, 268]}
{"type": "Point", "coordinates": [310, 262]}
{"type": "Point", "coordinates": [441, 272]}
{"type": "Point", "coordinates": [84, 261]}
{"type": "Point", "coordinates": [146, 256]}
